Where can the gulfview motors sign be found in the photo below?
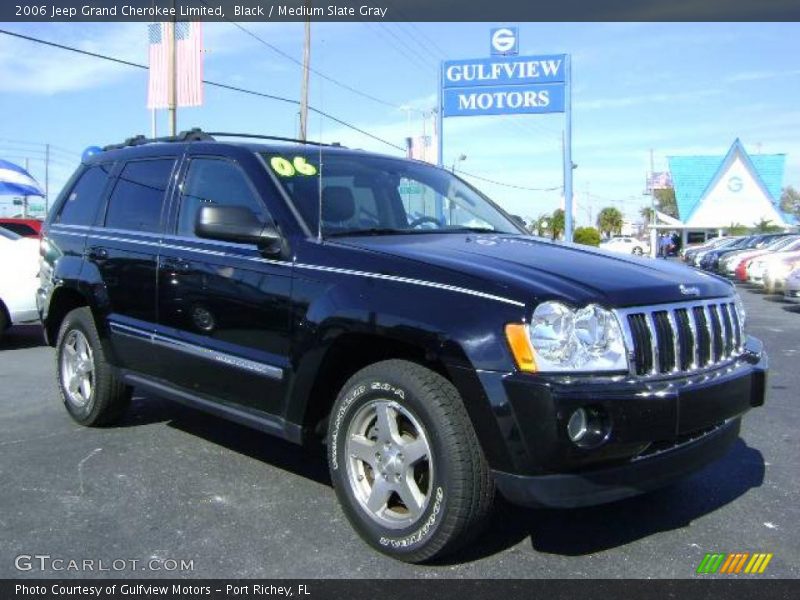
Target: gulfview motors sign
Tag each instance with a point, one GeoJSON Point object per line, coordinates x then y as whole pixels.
{"type": "Point", "coordinates": [503, 85]}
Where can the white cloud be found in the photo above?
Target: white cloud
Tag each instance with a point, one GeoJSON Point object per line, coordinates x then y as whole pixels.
{"type": "Point", "coordinates": [655, 98]}
{"type": "Point", "coordinates": [33, 68]}
{"type": "Point", "coordinates": [746, 76]}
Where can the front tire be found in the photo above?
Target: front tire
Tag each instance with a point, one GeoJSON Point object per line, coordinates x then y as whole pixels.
{"type": "Point", "coordinates": [405, 462]}
{"type": "Point", "coordinates": [637, 251]}
{"type": "Point", "coordinates": [91, 393]}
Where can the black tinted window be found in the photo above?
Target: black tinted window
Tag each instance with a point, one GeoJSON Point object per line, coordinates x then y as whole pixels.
{"type": "Point", "coordinates": [83, 201]}
{"type": "Point", "coordinates": [214, 181]}
{"type": "Point", "coordinates": [19, 228]}
{"type": "Point", "coordinates": [138, 195]}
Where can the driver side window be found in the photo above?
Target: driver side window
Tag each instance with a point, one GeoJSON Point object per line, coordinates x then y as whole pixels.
{"type": "Point", "coordinates": [214, 181]}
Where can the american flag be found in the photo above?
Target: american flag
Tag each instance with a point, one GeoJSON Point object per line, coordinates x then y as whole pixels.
{"type": "Point", "coordinates": [189, 64]}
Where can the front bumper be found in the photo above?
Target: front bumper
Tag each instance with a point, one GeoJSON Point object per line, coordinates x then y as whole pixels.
{"type": "Point", "coordinates": [572, 490]}
{"type": "Point", "coordinates": [660, 430]}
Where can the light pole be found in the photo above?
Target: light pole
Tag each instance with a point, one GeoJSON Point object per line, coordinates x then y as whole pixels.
{"type": "Point", "coordinates": [461, 158]}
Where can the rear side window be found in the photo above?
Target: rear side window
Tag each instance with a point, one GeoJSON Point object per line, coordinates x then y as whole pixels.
{"type": "Point", "coordinates": [83, 201]}
{"type": "Point", "coordinates": [211, 181]}
{"type": "Point", "coordinates": [138, 195]}
{"type": "Point", "coordinates": [20, 228]}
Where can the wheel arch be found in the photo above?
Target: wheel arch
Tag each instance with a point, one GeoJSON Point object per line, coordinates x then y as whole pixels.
{"type": "Point", "coordinates": [63, 300]}
{"type": "Point", "coordinates": [325, 372]}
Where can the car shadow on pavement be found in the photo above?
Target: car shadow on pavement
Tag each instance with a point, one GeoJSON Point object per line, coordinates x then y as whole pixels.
{"type": "Point", "coordinates": [577, 532]}
{"type": "Point", "coordinates": [305, 461]}
{"type": "Point", "coordinates": [792, 308]}
{"type": "Point", "coordinates": [777, 298]}
{"type": "Point", "coordinates": [20, 337]}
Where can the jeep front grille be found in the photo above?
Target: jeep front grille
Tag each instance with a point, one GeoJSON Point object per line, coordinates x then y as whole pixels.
{"type": "Point", "coordinates": [681, 338]}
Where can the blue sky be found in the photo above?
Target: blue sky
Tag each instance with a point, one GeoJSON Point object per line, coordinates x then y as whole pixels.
{"type": "Point", "coordinates": [675, 88]}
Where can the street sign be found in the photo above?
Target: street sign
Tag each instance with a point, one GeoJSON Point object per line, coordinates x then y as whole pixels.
{"type": "Point", "coordinates": [507, 84]}
{"type": "Point", "coordinates": [503, 100]}
{"type": "Point", "coordinates": [504, 86]}
{"type": "Point", "coordinates": [512, 71]}
{"type": "Point", "coordinates": [504, 41]}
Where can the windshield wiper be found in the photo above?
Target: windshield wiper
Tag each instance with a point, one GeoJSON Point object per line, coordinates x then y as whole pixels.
{"type": "Point", "coordinates": [369, 231]}
{"type": "Point", "coordinates": [470, 229]}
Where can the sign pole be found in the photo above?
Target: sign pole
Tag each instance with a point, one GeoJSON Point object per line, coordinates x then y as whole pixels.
{"type": "Point", "coordinates": [568, 149]}
{"type": "Point", "coordinates": [440, 117]}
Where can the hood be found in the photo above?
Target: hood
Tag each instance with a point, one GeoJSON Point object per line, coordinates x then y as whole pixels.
{"type": "Point", "coordinates": [533, 270]}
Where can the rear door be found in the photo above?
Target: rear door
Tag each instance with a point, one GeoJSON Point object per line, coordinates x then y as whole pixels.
{"type": "Point", "coordinates": [123, 252]}
{"type": "Point", "coordinates": [224, 308]}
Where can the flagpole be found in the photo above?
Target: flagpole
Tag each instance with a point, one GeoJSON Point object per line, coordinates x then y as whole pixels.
{"type": "Point", "coordinates": [304, 84]}
{"type": "Point", "coordinates": [153, 131]}
{"type": "Point", "coordinates": [173, 76]}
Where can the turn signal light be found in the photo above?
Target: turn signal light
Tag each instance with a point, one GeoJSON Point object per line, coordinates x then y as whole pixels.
{"type": "Point", "coordinates": [520, 344]}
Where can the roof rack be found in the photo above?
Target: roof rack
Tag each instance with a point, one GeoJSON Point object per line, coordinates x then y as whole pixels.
{"type": "Point", "coordinates": [257, 136]}
{"type": "Point", "coordinates": [198, 135]}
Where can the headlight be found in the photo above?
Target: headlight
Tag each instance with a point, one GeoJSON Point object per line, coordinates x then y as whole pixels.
{"type": "Point", "coordinates": [741, 313]}
{"type": "Point", "coordinates": [587, 339]}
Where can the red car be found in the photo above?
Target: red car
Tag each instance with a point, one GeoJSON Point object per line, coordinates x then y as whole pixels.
{"type": "Point", "coordinates": [30, 228]}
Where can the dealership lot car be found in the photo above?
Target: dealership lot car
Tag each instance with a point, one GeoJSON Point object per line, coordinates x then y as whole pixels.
{"type": "Point", "coordinates": [626, 245]}
{"type": "Point", "coordinates": [19, 267]}
{"type": "Point", "coordinates": [284, 286]}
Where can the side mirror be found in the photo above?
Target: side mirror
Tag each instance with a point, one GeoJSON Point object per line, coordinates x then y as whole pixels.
{"type": "Point", "coordinates": [236, 224]}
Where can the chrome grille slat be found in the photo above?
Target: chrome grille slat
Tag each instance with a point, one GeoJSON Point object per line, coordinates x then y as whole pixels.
{"type": "Point", "coordinates": [695, 342]}
{"type": "Point", "coordinates": [676, 349]}
{"type": "Point", "coordinates": [651, 325]}
{"type": "Point", "coordinates": [682, 337]}
{"type": "Point", "coordinates": [707, 314]}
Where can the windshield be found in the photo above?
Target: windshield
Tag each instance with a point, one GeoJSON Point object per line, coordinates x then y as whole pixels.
{"type": "Point", "coordinates": [373, 195]}
{"type": "Point", "coordinates": [9, 235]}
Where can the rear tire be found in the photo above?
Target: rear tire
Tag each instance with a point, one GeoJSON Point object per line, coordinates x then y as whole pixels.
{"type": "Point", "coordinates": [406, 463]}
{"type": "Point", "coordinates": [91, 392]}
{"type": "Point", "coordinates": [638, 251]}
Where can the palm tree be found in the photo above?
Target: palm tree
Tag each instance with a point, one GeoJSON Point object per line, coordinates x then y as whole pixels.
{"type": "Point", "coordinates": [609, 220]}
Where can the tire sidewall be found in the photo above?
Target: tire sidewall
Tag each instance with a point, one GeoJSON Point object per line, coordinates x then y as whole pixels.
{"type": "Point", "coordinates": [419, 537]}
{"type": "Point", "coordinates": [76, 320]}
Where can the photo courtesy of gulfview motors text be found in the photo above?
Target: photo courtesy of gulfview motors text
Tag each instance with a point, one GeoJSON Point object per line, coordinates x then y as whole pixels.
{"type": "Point", "coordinates": [299, 296]}
{"type": "Point", "coordinates": [148, 590]}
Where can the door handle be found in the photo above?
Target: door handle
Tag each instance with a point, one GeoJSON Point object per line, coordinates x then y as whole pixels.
{"type": "Point", "coordinates": [174, 264]}
{"type": "Point", "coordinates": [97, 253]}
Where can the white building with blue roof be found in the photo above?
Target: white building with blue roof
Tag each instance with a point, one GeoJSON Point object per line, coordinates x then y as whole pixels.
{"type": "Point", "coordinates": [715, 192]}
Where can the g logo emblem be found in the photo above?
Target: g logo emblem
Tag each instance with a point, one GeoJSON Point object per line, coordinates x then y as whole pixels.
{"type": "Point", "coordinates": [735, 184]}
{"type": "Point", "coordinates": [504, 41]}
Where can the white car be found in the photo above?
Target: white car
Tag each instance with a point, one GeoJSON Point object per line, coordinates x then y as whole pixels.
{"type": "Point", "coordinates": [626, 245]}
{"type": "Point", "coordinates": [19, 279]}
{"type": "Point", "coordinates": [792, 289]}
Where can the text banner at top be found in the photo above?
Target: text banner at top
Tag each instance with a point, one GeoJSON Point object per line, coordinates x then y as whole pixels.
{"type": "Point", "coordinates": [398, 10]}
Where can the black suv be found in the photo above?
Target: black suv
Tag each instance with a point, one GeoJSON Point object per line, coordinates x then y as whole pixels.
{"type": "Point", "coordinates": [439, 350]}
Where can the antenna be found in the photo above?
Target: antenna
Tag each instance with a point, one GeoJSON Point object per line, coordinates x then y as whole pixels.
{"type": "Point", "coordinates": [319, 179]}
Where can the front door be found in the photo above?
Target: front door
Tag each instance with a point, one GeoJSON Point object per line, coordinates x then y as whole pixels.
{"type": "Point", "coordinates": [223, 307]}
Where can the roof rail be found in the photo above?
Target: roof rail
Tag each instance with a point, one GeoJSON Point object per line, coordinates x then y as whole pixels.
{"type": "Point", "coordinates": [257, 136]}
{"type": "Point", "coordinates": [192, 135]}
{"type": "Point", "coordinates": [198, 135]}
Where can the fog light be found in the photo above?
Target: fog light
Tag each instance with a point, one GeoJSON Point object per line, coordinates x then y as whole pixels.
{"type": "Point", "coordinates": [589, 426]}
{"type": "Point", "coordinates": [576, 428]}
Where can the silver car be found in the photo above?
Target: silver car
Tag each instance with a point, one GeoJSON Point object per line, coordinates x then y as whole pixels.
{"type": "Point", "coordinates": [792, 289]}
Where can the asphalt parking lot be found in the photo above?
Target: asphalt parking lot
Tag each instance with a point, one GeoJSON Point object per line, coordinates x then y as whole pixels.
{"type": "Point", "coordinates": [170, 483]}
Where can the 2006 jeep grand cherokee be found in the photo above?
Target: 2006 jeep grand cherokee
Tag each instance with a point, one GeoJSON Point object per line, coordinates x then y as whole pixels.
{"type": "Point", "coordinates": [440, 351]}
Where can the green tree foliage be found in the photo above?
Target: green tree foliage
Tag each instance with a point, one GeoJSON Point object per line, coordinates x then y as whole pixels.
{"type": "Point", "coordinates": [588, 236]}
{"type": "Point", "coordinates": [666, 203]}
{"type": "Point", "coordinates": [738, 229]}
{"type": "Point", "coordinates": [609, 220]}
{"type": "Point", "coordinates": [790, 201]}
{"type": "Point", "coordinates": [557, 223]}
{"type": "Point", "coordinates": [766, 226]}
{"type": "Point", "coordinates": [646, 213]}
